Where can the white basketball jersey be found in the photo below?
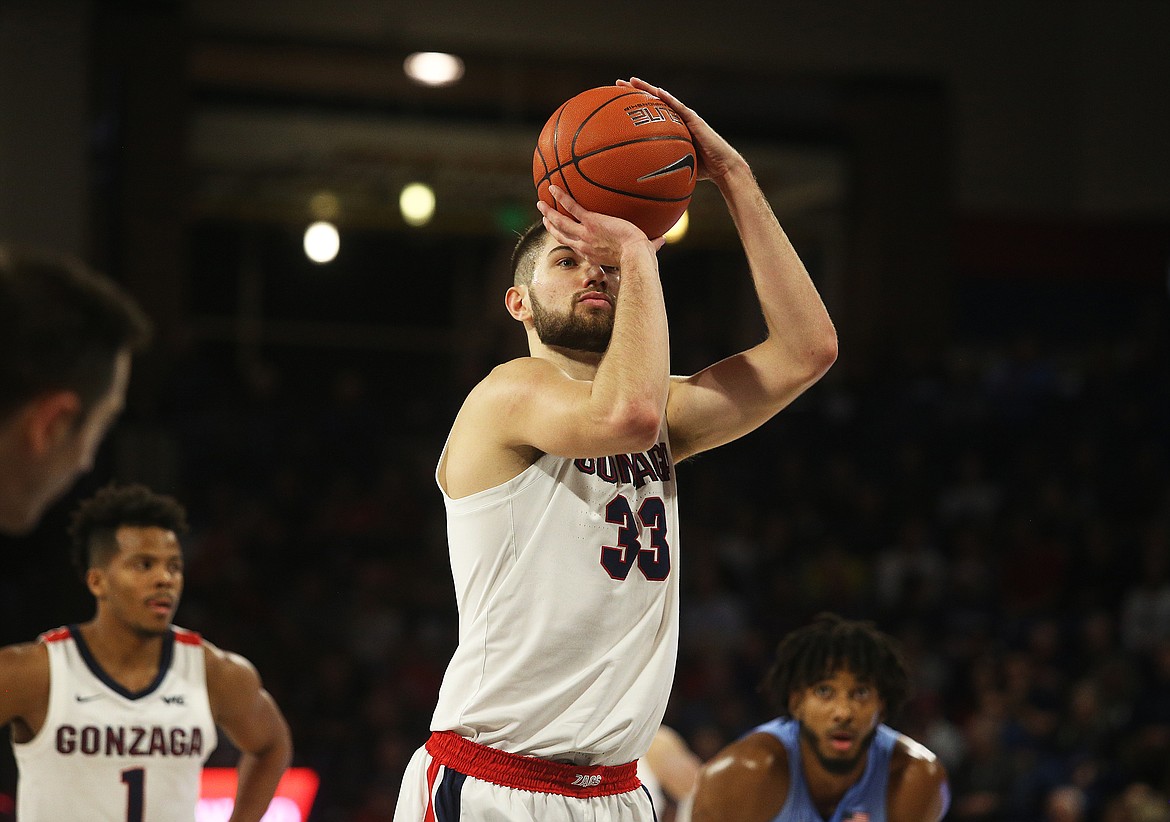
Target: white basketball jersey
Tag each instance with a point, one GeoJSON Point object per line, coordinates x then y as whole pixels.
{"type": "Point", "coordinates": [566, 578]}
{"type": "Point", "coordinates": [109, 755]}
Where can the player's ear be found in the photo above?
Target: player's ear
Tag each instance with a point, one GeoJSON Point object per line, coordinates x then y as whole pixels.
{"type": "Point", "coordinates": [516, 301]}
{"type": "Point", "coordinates": [51, 418]}
{"type": "Point", "coordinates": [95, 581]}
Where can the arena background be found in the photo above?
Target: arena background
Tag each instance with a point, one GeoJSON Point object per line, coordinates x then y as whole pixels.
{"type": "Point", "coordinates": [981, 191]}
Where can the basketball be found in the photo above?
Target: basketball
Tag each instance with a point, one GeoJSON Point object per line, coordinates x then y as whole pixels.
{"type": "Point", "coordinates": [618, 151]}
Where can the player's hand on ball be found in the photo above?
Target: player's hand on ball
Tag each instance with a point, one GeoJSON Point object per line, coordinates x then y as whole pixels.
{"type": "Point", "coordinates": [716, 156]}
{"type": "Point", "coordinates": [596, 237]}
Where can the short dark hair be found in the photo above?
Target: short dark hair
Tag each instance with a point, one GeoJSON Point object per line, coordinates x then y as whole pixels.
{"type": "Point", "coordinates": [94, 523]}
{"type": "Point", "coordinates": [61, 327]}
{"type": "Point", "coordinates": [831, 643]}
{"type": "Point", "coordinates": [524, 253]}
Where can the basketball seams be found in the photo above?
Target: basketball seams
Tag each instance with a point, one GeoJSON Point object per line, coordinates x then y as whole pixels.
{"type": "Point", "coordinates": [576, 144]}
{"type": "Point", "coordinates": [575, 159]}
{"type": "Point", "coordinates": [633, 196]}
{"type": "Point", "coordinates": [557, 150]}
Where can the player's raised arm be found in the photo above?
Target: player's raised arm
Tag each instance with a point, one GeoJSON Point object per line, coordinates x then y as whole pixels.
{"type": "Point", "coordinates": [735, 396]}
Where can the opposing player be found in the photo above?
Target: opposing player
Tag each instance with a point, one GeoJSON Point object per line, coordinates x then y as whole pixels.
{"type": "Point", "coordinates": [560, 485]}
{"type": "Point", "coordinates": [113, 719]}
{"type": "Point", "coordinates": [828, 756]}
{"type": "Point", "coordinates": [66, 339]}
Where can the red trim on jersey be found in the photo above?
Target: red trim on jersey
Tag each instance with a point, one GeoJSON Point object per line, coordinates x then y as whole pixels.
{"type": "Point", "coordinates": [432, 773]}
{"type": "Point", "coordinates": [529, 773]}
{"type": "Point", "coordinates": [57, 634]}
{"type": "Point", "coordinates": [187, 637]}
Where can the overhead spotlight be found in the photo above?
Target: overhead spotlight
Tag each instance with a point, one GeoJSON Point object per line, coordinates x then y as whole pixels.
{"type": "Point", "coordinates": [322, 242]}
{"type": "Point", "coordinates": [417, 203]}
{"type": "Point", "coordinates": [433, 68]}
{"type": "Point", "coordinates": [679, 229]}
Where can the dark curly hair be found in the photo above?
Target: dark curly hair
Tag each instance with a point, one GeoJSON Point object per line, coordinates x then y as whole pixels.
{"type": "Point", "coordinates": [94, 523]}
{"type": "Point", "coordinates": [831, 643]}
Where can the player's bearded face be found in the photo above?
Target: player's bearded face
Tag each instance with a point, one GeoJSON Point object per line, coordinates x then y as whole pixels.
{"type": "Point", "coordinates": [839, 715]}
{"type": "Point", "coordinates": [836, 764]}
{"type": "Point", "coordinates": [582, 328]}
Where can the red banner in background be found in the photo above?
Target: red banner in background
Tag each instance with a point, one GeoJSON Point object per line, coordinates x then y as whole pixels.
{"type": "Point", "coordinates": [292, 802]}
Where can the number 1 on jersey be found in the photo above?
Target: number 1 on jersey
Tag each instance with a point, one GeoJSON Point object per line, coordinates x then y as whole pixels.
{"type": "Point", "coordinates": [135, 779]}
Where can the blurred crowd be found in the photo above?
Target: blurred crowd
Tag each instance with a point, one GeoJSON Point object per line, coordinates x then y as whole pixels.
{"type": "Point", "coordinates": [1002, 507]}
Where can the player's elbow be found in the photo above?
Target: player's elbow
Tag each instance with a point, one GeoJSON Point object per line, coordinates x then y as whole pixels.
{"type": "Point", "coordinates": [825, 348]}
{"type": "Point", "coordinates": [635, 426]}
{"type": "Point", "coordinates": [820, 354]}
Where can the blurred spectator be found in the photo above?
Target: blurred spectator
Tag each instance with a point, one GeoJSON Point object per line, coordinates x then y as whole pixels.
{"type": "Point", "coordinates": [1145, 607]}
{"type": "Point", "coordinates": [1066, 803]}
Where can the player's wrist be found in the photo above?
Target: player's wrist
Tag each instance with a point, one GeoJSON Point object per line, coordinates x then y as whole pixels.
{"type": "Point", "coordinates": [633, 249]}
{"type": "Point", "coordinates": [736, 172]}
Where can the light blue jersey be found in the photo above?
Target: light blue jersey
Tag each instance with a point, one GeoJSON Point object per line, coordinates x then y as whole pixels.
{"type": "Point", "coordinates": [865, 801]}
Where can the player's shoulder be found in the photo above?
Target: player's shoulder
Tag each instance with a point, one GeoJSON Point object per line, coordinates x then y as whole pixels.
{"type": "Point", "coordinates": [756, 759]}
{"type": "Point", "coordinates": [511, 382]}
{"type": "Point", "coordinates": [760, 748]}
{"type": "Point", "coordinates": [909, 754]}
{"type": "Point", "coordinates": [523, 371]}
{"type": "Point", "coordinates": [502, 395]}
{"type": "Point", "coordinates": [25, 653]}
{"type": "Point", "coordinates": [23, 661]}
{"type": "Point", "coordinates": [918, 782]}
{"type": "Point", "coordinates": [749, 775]}
{"type": "Point", "coordinates": [184, 636]}
{"type": "Point", "coordinates": [227, 669]}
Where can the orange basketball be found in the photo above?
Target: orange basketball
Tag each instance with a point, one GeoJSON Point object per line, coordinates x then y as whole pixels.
{"type": "Point", "coordinates": [618, 151]}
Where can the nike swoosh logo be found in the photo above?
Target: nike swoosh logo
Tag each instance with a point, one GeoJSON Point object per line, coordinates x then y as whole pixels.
{"type": "Point", "coordinates": [687, 162]}
{"type": "Point", "coordinates": [89, 698]}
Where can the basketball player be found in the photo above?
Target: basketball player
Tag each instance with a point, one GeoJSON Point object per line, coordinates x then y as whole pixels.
{"type": "Point", "coordinates": [828, 756]}
{"type": "Point", "coordinates": [113, 719]}
{"type": "Point", "coordinates": [559, 480]}
{"type": "Point", "coordinates": [66, 339]}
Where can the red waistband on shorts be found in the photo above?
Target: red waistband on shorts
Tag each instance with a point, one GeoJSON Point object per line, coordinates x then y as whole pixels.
{"type": "Point", "coordinates": [530, 773]}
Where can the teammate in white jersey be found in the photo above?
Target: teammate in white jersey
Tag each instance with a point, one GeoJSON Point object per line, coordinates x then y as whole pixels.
{"type": "Point", "coordinates": [113, 719]}
{"type": "Point", "coordinates": [558, 476]}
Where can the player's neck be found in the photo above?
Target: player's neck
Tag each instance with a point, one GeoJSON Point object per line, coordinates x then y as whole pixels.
{"type": "Point", "coordinates": [120, 650]}
{"type": "Point", "coordinates": [580, 365]}
{"type": "Point", "coordinates": [826, 788]}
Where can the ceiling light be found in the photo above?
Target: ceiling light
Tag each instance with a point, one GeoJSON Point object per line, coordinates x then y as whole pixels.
{"type": "Point", "coordinates": [417, 203]}
{"type": "Point", "coordinates": [433, 68]}
{"type": "Point", "coordinates": [322, 242]}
